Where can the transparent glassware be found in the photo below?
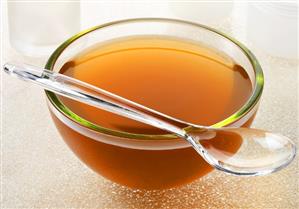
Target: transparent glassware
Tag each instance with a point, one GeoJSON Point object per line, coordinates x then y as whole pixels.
{"type": "Point", "coordinates": [36, 28]}
{"type": "Point", "coordinates": [204, 12]}
{"type": "Point", "coordinates": [99, 147]}
{"type": "Point", "coordinates": [276, 22]}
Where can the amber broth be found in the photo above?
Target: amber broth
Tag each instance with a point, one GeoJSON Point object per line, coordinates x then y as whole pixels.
{"type": "Point", "coordinates": [177, 77]}
{"type": "Point", "coordinates": [181, 79]}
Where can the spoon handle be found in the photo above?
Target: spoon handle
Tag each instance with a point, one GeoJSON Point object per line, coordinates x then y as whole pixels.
{"type": "Point", "coordinates": [91, 95]}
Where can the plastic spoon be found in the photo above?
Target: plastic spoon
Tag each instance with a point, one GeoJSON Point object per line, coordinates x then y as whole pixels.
{"type": "Point", "coordinates": [259, 152]}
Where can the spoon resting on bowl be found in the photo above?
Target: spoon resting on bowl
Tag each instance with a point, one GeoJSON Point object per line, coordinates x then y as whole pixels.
{"type": "Point", "coordinates": [259, 152]}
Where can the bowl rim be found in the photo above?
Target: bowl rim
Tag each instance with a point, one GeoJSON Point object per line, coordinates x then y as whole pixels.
{"type": "Point", "coordinates": [246, 108]}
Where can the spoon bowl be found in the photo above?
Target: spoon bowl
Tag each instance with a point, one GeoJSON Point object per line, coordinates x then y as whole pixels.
{"type": "Point", "coordinates": [259, 153]}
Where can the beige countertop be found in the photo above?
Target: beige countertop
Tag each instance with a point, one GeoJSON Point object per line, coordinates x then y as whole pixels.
{"type": "Point", "coordinates": [39, 171]}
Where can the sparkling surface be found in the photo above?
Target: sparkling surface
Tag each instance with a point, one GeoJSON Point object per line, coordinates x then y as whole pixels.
{"type": "Point", "coordinates": [39, 171]}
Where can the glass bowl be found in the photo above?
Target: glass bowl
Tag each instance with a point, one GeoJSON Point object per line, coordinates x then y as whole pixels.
{"type": "Point", "coordinates": [139, 160]}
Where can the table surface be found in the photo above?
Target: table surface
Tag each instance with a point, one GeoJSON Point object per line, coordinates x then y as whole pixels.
{"type": "Point", "coordinates": [39, 171]}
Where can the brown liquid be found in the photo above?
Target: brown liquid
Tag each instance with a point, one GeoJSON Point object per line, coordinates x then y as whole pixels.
{"type": "Point", "coordinates": [181, 79]}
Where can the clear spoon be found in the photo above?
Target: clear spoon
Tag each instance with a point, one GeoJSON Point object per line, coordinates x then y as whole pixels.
{"type": "Point", "coordinates": [255, 152]}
